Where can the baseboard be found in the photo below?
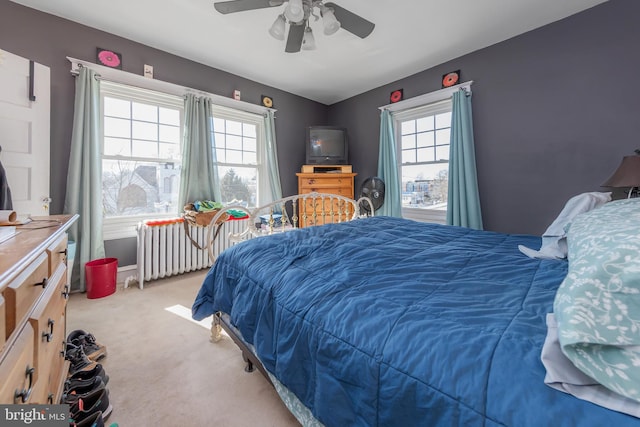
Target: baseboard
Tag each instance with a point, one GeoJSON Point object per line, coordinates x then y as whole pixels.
{"type": "Point", "coordinates": [125, 271]}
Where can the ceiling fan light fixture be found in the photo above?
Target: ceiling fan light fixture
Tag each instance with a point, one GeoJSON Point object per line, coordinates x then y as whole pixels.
{"type": "Point", "coordinates": [308, 42]}
{"type": "Point", "coordinates": [277, 29]}
{"type": "Point", "coordinates": [329, 21]}
{"type": "Point", "coordinates": [294, 11]}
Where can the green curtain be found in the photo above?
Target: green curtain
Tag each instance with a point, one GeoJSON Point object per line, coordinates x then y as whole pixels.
{"type": "Point", "coordinates": [388, 167]}
{"type": "Point", "coordinates": [198, 176]}
{"type": "Point", "coordinates": [84, 177]}
{"type": "Point", "coordinates": [463, 206]}
{"type": "Point", "coordinates": [272, 157]}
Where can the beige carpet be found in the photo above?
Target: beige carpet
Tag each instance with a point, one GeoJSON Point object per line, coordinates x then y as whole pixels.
{"type": "Point", "coordinates": [163, 370]}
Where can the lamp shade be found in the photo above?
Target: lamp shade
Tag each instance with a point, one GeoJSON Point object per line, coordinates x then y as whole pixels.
{"type": "Point", "coordinates": [627, 174]}
{"type": "Point", "coordinates": [277, 29]}
{"type": "Point", "coordinates": [331, 24]}
{"type": "Point", "coordinates": [308, 42]}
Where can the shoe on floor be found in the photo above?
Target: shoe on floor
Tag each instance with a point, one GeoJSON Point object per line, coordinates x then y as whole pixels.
{"type": "Point", "coordinates": [87, 341]}
{"type": "Point", "coordinates": [96, 371]}
{"type": "Point", "coordinates": [79, 360]}
{"type": "Point", "coordinates": [94, 420]}
{"type": "Point", "coordinates": [96, 401]}
{"type": "Point", "coordinates": [72, 394]}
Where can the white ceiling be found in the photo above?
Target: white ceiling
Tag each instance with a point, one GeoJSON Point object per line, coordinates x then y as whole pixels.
{"type": "Point", "coordinates": [410, 36]}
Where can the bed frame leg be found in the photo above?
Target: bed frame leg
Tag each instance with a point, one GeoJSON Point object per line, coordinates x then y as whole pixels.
{"type": "Point", "coordinates": [216, 329]}
{"type": "Point", "coordinates": [249, 367]}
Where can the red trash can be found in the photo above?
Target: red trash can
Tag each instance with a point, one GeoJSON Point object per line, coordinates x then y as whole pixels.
{"type": "Point", "coordinates": [100, 276]}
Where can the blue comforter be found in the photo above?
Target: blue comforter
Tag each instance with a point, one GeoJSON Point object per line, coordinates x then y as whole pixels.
{"type": "Point", "coordinates": [384, 321]}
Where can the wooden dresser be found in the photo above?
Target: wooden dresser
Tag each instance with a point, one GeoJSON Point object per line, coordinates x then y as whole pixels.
{"type": "Point", "coordinates": [331, 179]}
{"type": "Point", "coordinates": [33, 300]}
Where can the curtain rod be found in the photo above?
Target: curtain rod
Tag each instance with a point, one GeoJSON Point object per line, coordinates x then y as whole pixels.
{"type": "Point", "coordinates": [124, 77]}
{"type": "Point", "coordinates": [426, 98]}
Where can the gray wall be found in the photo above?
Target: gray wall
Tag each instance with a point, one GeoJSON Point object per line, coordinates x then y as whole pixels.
{"type": "Point", "coordinates": [48, 40]}
{"type": "Point", "coordinates": [555, 109]}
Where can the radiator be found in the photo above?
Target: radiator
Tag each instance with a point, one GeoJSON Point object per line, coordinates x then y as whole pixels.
{"type": "Point", "coordinates": [165, 250]}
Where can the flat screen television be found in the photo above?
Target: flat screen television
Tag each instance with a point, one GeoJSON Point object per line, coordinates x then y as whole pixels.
{"type": "Point", "coordinates": [327, 145]}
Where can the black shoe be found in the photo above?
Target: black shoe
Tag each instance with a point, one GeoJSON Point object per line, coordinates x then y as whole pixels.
{"type": "Point", "coordinates": [79, 361]}
{"type": "Point", "coordinates": [96, 371]}
{"type": "Point", "coordinates": [85, 407]}
{"type": "Point", "coordinates": [94, 420]}
{"type": "Point", "coordinates": [91, 348]}
{"type": "Point", "coordinates": [72, 394]}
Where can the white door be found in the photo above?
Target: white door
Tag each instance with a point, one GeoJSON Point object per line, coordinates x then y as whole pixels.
{"type": "Point", "coordinates": [24, 133]}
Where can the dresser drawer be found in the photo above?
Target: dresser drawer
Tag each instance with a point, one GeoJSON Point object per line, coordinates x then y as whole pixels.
{"type": "Point", "coordinates": [48, 322]}
{"type": "Point", "coordinates": [23, 292]}
{"type": "Point", "coordinates": [57, 252]}
{"type": "Point", "coordinates": [17, 372]}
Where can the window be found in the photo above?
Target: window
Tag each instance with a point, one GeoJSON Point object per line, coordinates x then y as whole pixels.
{"type": "Point", "coordinates": [238, 144]}
{"type": "Point", "coordinates": [423, 136]}
{"type": "Point", "coordinates": [142, 132]}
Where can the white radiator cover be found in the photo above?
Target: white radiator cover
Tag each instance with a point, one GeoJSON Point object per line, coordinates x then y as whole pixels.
{"type": "Point", "coordinates": [165, 250]}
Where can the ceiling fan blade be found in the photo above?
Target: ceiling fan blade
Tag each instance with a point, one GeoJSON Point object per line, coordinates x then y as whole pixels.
{"type": "Point", "coordinates": [233, 6]}
{"type": "Point", "coordinates": [294, 40]}
{"type": "Point", "coordinates": [351, 22]}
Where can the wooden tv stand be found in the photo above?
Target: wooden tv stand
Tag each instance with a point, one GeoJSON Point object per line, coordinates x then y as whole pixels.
{"type": "Point", "coordinates": [332, 179]}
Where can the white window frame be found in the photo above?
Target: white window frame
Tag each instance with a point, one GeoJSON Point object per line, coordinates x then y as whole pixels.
{"type": "Point", "coordinates": [125, 226]}
{"type": "Point", "coordinates": [263, 189]}
{"type": "Point", "coordinates": [116, 229]}
{"type": "Point", "coordinates": [403, 110]}
{"type": "Point", "coordinates": [419, 214]}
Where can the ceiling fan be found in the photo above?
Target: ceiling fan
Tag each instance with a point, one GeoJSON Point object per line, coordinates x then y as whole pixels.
{"type": "Point", "coordinates": [297, 14]}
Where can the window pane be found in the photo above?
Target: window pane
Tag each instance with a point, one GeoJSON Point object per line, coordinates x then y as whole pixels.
{"type": "Point", "coordinates": [250, 158]}
{"type": "Point", "coordinates": [443, 136]}
{"type": "Point", "coordinates": [234, 142]}
{"type": "Point", "coordinates": [442, 152]}
{"type": "Point", "coordinates": [144, 149]}
{"type": "Point", "coordinates": [117, 147]}
{"type": "Point", "coordinates": [220, 155]}
{"type": "Point", "coordinates": [234, 156]}
{"type": "Point", "coordinates": [408, 156]}
{"type": "Point", "coordinates": [408, 141]}
{"type": "Point", "coordinates": [425, 123]}
{"type": "Point", "coordinates": [219, 140]}
{"type": "Point", "coordinates": [169, 116]}
{"type": "Point", "coordinates": [145, 112]}
{"type": "Point", "coordinates": [169, 151]}
{"type": "Point", "coordinates": [249, 130]}
{"type": "Point", "coordinates": [117, 108]}
{"type": "Point", "coordinates": [425, 186]}
{"type": "Point", "coordinates": [424, 139]}
{"type": "Point", "coordinates": [408, 127]}
{"type": "Point", "coordinates": [117, 127]}
{"type": "Point", "coordinates": [249, 144]}
{"type": "Point", "coordinates": [234, 128]}
{"type": "Point", "coordinates": [239, 184]}
{"type": "Point", "coordinates": [142, 130]}
{"type": "Point", "coordinates": [425, 154]}
{"type": "Point", "coordinates": [133, 188]}
{"type": "Point", "coordinates": [218, 125]}
{"type": "Point", "coordinates": [443, 120]}
{"type": "Point", "coordinates": [169, 133]}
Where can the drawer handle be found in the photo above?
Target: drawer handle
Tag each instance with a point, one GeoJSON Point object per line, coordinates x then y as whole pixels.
{"type": "Point", "coordinates": [65, 292]}
{"type": "Point", "coordinates": [50, 399]}
{"type": "Point", "coordinates": [25, 394]}
{"type": "Point", "coordinates": [49, 335]}
{"type": "Point", "coordinates": [63, 252]}
{"type": "Point", "coordinates": [43, 283]}
{"type": "Point", "coordinates": [311, 181]}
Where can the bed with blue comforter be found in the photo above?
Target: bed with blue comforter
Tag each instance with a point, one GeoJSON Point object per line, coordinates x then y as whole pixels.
{"type": "Point", "coordinates": [389, 322]}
